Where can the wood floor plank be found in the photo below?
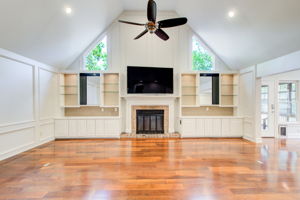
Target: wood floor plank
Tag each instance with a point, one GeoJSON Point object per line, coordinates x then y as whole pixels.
{"type": "Point", "coordinates": [154, 169]}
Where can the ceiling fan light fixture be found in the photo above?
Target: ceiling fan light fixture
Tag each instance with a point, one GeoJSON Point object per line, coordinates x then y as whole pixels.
{"type": "Point", "coordinates": [156, 27]}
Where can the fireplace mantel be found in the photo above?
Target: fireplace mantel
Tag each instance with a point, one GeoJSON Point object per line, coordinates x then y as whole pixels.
{"type": "Point", "coordinates": [143, 96]}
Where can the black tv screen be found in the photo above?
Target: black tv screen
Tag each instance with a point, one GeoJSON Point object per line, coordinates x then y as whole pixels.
{"type": "Point", "coordinates": [141, 80]}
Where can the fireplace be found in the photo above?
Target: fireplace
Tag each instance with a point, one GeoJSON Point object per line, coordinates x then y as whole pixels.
{"type": "Point", "coordinates": [135, 108]}
{"type": "Point", "coordinates": [149, 121]}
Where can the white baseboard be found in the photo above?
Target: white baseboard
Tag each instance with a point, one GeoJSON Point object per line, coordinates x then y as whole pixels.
{"type": "Point", "coordinates": [251, 139]}
{"type": "Point", "coordinates": [89, 137]}
{"type": "Point", "coordinates": [24, 148]}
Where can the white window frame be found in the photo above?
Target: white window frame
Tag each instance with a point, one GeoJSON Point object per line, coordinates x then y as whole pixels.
{"type": "Point", "coordinates": [206, 48]}
{"type": "Point", "coordinates": [92, 46]}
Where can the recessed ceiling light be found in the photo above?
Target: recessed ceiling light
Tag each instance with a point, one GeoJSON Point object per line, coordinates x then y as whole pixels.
{"type": "Point", "coordinates": [68, 10]}
{"type": "Point", "coordinates": [231, 14]}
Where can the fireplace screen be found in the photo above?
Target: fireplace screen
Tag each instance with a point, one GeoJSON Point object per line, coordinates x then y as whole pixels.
{"type": "Point", "coordinates": [150, 121]}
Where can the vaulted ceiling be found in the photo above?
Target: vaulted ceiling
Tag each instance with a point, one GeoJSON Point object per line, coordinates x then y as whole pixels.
{"type": "Point", "coordinates": [260, 31]}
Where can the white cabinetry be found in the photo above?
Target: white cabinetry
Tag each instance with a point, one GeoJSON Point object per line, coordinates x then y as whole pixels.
{"type": "Point", "coordinates": [212, 127]}
{"type": "Point", "coordinates": [61, 128]}
{"type": "Point", "coordinates": [87, 128]}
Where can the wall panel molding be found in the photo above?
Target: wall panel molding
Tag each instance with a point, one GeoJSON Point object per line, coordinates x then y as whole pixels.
{"type": "Point", "coordinates": [19, 135]}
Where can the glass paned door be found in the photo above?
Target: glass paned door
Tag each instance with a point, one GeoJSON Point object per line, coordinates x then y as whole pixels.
{"type": "Point", "coordinates": [267, 109]}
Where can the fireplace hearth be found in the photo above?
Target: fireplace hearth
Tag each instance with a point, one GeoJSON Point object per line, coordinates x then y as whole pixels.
{"type": "Point", "coordinates": [149, 121]}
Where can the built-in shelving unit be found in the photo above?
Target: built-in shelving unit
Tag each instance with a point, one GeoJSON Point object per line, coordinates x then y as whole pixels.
{"type": "Point", "coordinates": [110, 90]}
{"type": "Point", "coordinates": [229, 90]}
{"type": "Point", "coordinates": [189, 90]}
{"type": "Point", "coordinates": [69, 90]}
{"type": "Point", "coordinates": [191, 104]}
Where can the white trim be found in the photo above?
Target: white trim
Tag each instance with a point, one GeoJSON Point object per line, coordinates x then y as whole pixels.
{"type": "Point", "coordinates": [255, 140]}
{"type": "Point", "coordinates": [21, 59]}
{"type": "Point", "coordinates": [102, 136]}
{"type": "Point", "coordinates": [21, 126]}
{"type": "Point", "coordinates": [23, 148]}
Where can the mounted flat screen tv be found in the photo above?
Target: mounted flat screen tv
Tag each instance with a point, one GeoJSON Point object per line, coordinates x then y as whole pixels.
{"type": "Point", "coordinates": [142, 80]}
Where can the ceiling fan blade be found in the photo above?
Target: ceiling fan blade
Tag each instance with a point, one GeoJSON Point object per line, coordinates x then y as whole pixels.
{"type": "Point", "coordinates": [140, 35]}
{"type": "Point", "coordinates": [172, 22]}
{"type": "Point", "coordinates": [163, 35]}
{"type": "Point", "coordinates": [151, 11]}
{"type": "Point", "coordinates": [132, 23]}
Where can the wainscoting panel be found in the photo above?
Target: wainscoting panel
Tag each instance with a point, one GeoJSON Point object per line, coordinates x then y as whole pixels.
{"type": "Point", "coordinates": [16, 141]}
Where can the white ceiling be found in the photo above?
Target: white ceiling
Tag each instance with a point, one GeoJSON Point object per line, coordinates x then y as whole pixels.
{"type": "Point", "coordinates": [261, 30]}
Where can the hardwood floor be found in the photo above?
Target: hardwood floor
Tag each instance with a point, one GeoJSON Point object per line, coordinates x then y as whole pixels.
{"type": "Point", "coordinates": [189, 169]}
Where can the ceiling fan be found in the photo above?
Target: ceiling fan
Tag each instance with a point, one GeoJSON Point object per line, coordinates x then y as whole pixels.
{"type": "Point", "coordinates": [156, 27]}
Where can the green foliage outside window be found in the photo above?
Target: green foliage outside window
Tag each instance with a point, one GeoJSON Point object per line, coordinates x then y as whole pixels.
{"type": "Point", "coordinates": [97, 58]}
{"type": "Point", "coordinates": [201, 59]}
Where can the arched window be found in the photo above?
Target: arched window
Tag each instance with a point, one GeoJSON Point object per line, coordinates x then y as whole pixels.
{"type": "Point", "coordinates": [97, 57]}
{"type": "Point", "coordinates": [202, 59]}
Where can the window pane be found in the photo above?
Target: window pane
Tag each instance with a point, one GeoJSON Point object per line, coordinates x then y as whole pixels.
{"type": "Point", "coordinates": [264, 107]}
{"type": "Point", "coordinates": [287, 102]}
{"type": "Point", "coordinates": [202, 60]}
{"type": "Point", "coordinates": [97, 58]}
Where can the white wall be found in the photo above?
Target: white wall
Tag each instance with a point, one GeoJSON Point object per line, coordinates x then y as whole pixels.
{"type": "Point", "coordinates": [28, 103]}
{"type": "Point", "coordinates": [279, 65]}
{"type": "Point", "coordinates": [249, 103]}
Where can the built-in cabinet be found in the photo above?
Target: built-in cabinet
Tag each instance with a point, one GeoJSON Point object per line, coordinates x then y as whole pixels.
{"type": "Point", "coordinates": [87, 128]}
{"type": "Point", "coordinates": [91, 104]}
{"type": "Point", "coordinates": [224, 127]}
{"type": "Point", "coordinates": [198, 90]}
{"type": "Point", "coordinates": [109, 90]}
{"type": "Point", "coordinates": [208, 106]}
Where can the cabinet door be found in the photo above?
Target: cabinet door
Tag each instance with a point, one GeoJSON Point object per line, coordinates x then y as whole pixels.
{"type": "Point", "coordinates": [217, 128]}
{"type": "Point", "coordinates": [73, 132]}
{"type": "Point", "coordinates": [200, 130]}
{"type": "Point", "coordinates": [188, 128]}
{"type": "Point", "coordinates": [81, 127]}
{"type": "Point", "coordinates": [236, 128]}
{"type": "Point", "coordinates": [90, 127]}
{"type": "Point", "coordinates": [100, 130]}
{"type": "Point", "coordinates": [225, 127]}
{"type": "Point", "coordinates": [112, 128]}
{"type": "Point", "coordinates": [61, 128]}
{"type": "Point", "coordinates": [208, 127]}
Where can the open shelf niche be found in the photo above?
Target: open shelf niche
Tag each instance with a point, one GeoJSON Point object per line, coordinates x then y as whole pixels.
{"type": "Point", "coordinates": [189, 90]}
{"type": "Point", "coordinates": [110, 90]}
{"type": "Point", "coordinates": [229, 90]}
{"type": "Point", "coordinates": [69, 90]}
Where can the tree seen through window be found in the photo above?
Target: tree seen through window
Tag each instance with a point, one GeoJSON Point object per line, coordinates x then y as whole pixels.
{"type": "Point", "coordinates": [97, 58]}
{"type": "Point", "coordinates": [202, 60]}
